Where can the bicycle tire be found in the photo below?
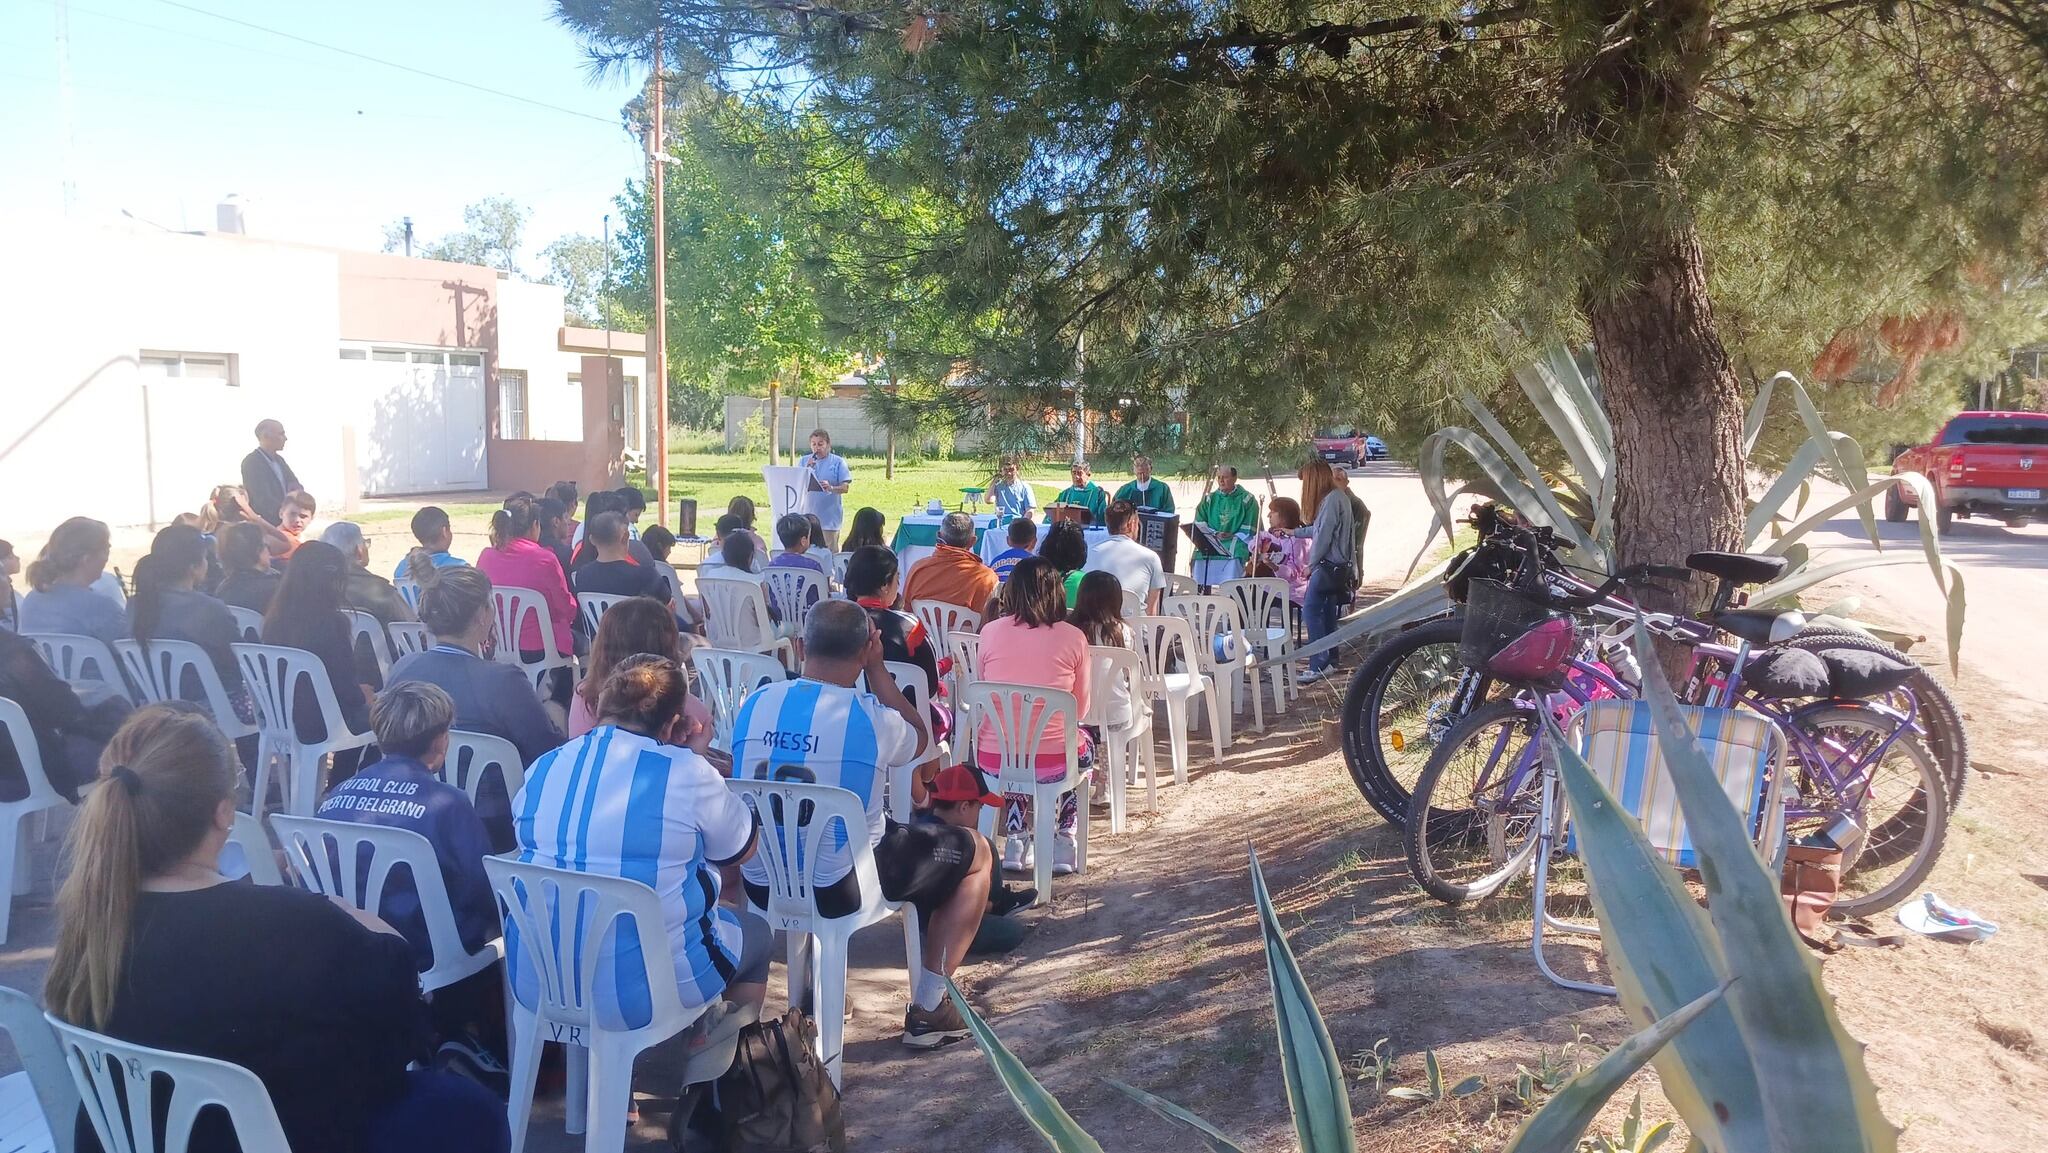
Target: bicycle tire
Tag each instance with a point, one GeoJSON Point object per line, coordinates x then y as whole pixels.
{"type": "Point", "coordinates": [1939, 716]}
{"type": "Point", "coordinates": [1920, 832]}
{"type": "Point", "coordinates": [1431, 828]}
{"type": "Point", "coordinates": [1364, 755]}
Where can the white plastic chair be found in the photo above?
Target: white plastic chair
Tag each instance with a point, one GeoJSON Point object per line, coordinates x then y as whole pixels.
{"type": "Point", "coordinates": [472, 756]}
{"type": "Point", "coordinates": [1158, 639]}
{"type": "Point", "coordinates": [1181, 586]}
{"type": "Point", "coordinates": [364, 629]}
{"type": "Point", "coordinates": [1221, 651]}
{"type": "Point", "coordinates": [42, 1090]}
{"type": "Point", "coordinates": [515, 607]}
{"type": "Point", "coordinates": [824, 814]}
{"type": "Point", "coordinates": [557, 920]}
{"type": "Point", "coordinates": [16, 874]}
{"type": "Point", "coordinates": [1017, 715]}
{"type": "Point", "coordinates": [409, 591]}
{"type": "Point", "coordinates": [591, 607]}
{"type": "Point", "coordinates": [736, 617]}
{"type": "Point", "coordinates": [965, 651]}
{"type": "Point", "coordinates": [248, 853]}
{"type": "Point", "coordinates": [795, 591]}
{"type": "Point", "coordinates": [248, 622]}
{"type": "Point", "coordinates": [839, 560]}
{"type": "Point", "coordinates": [326, 857]}
{"type": "Point", "coordinates": [1134, 605]}
{"type": "Point", "coordinates": [944, 618]}
{"type": "Point", "coordinates": [409, 637]}
{"type": "Point", "coordinates": [1621, 747]}
{"type": "Point", "coordinates": [910, 682]}
{"type": "Point", "coordinates": [273, 674]}
{"type": "Point", "coordinates": [1263, 608]}
{"type": "Point", "coordinates": [124, 1118]}
{"type": "Point", "coordinates": [161, 671]}
{"type": "Point", "coordinates": [1127, 745]}
{"type": "Point", "coordinates": [79, 661]}
{"type": "Point", "coordinates": [724, 678]}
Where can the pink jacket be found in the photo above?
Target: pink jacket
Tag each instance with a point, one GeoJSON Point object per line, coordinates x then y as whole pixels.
{"type": "Point", "coordinates": [529, 564]}
{"type": "Point", "coordinates": [1055, 657]}
{"type": "Point", "coordinates": [1292, 565]}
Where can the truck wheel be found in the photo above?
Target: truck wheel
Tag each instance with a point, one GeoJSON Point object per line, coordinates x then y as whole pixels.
{"type": "Point", "coordinates": [1944, 519]}
{"type": "Point", "coordinates": [1894, 505]}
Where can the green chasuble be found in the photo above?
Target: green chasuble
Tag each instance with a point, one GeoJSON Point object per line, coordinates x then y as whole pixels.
{"type": "Point", "coordinates": [1230, 514]}
{"type": "Point", "coordinates": [1090, 497]}
{"type": "Point", "coordinates": [1152, 494]}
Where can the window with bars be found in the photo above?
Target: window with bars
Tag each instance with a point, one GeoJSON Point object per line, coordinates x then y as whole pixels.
{"type": "Point", "coordinates": [512, 404]}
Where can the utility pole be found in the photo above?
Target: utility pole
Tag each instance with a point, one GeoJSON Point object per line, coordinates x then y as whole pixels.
{"type": "Point", "coordinates": [657, 264]}
{"type": "Point", "coordinates": [65, 137]}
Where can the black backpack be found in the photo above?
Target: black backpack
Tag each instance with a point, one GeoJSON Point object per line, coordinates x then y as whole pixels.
{"type": "Point", "coordinates": [776, 1097]}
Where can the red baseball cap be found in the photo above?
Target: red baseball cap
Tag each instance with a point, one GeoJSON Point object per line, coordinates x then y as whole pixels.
{"type": "Point", "coordinates": [957, 783]}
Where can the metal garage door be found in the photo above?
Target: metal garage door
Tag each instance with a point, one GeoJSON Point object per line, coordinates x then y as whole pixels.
{"type": "Point", "coordinates": [423, 416]}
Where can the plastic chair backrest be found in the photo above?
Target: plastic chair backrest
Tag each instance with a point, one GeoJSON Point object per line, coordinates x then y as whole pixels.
{"type": "Point", "coordinates": [409, 591]}
{"type": "Point", "coordinates": [326, 857]}
{"type": "Point", "coordinates": [249, 848]}
{"type": "Point", "coordinates": [1108, 665]}
{"type": "Point", "coordinates": [409, 637]}
{"type": "Point", "coordinates": [826, 819]}
{"type": "Point", "coordinates": [1619, 743]}
{"type": "Point", "coordinates": [725, 677]}
{"type": "Point", "coordinates": [1134, 605]}
{"type": "Point", "coordinates": [118, 1084]}
{"type": "Point", "coordinates": [1017, 716]}
{"type": "Point", "coordinates": [592, 607]}
{"type": "Point", "coordinates": [1261, 601]}
{"type": "Point", "coordinates": [556, 921]}
{"type": "Point", "coordinates": [1178, 585]}
{"type": "Point", "coordinates": [366, 631]}
{"type": "Point", "coordinates": [736, 613]}
{"type": "Point", "coordinates": [1210, 619]}
{"type": "Point", "coordinates": [516, 606]}
{"type": "Point", "coordinates": [944, 618]}
{"type": "Point", "coordinates": [273, 674]}
{"type": "Point", "coordinates": [77, 659]}
{"type": "Point", "coordinates": [14, 728]}
{"type": "Point", "coordinates": [35, 1044]}
{"type": "Point", "coordinates": [472, 756]}
{"type": "Point", "coordinates": [965, 649]}
{"type": "Point", "coordinates": [248, 622]}
{"type": "Point", "coordinates": [839, 560]}
{"type": "Point", "coordinates": [796, 591]}
{"type": "Point", "coordinates": [161, 671]}
{"type": "Point", "coordinates": [1158, 637]}
{"type": "Point", "coordinates": [910, 682]}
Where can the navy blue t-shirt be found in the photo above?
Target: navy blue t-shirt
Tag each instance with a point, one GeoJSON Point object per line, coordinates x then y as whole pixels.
{"type": "Point", "coordinates": [399, 792]}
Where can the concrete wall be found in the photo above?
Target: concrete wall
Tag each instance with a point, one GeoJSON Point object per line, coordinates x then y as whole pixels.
{"type": "Point", "coordinates": [845, 418]}
{"type": "Point", "coordinates": [529, 319]}
{"type": "Point", "coordinates": [593, 462]}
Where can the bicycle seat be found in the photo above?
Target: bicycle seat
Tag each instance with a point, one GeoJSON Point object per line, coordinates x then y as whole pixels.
{"type": "Point", "coordinates": [1760, 626]}
{"type": "Point", "coordinates": [1741, 568]}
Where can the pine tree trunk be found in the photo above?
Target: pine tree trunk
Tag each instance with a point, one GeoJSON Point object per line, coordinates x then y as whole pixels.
{"type": "Point", "coordinates": [1676, 407]}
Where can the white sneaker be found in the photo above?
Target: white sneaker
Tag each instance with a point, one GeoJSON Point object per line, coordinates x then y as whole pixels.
{"type": "Point", "coordinates": [1312, 676]}
{"type": "Point", "coordinates": [1013, 854]}
{"type": "Point", "coordinates": [1065, 855]}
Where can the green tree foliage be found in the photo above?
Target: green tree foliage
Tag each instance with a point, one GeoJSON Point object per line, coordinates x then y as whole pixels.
{"type": "Point", "coordinates": [576, 265]}
{"type": "Point", "coordinates": [493, 230]}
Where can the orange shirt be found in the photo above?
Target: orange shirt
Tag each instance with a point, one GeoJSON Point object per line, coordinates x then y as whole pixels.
{"type": "Point", "coordinates": [953, 575]}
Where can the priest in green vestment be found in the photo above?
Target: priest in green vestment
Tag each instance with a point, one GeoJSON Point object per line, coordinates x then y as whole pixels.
{"type": "Point", "coordinates": [1146, 491]}
{"type": "Point", "coordinates": [1232, 513]}
{"type": "Point", "coordinates": [1087, 494]}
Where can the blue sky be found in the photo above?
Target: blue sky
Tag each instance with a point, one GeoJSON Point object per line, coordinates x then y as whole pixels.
{"type": "Point", "coordinates": [173, 109]}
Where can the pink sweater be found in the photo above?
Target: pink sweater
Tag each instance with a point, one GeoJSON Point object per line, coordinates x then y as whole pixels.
{"type": "Point", "coordinates": [1054, 657]}
{"type": "Point", "coordinates": [529, 564]}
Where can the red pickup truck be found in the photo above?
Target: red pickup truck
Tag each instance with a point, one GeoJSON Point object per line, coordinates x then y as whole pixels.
{"type": "Point", "coordinates": [1988, 464]}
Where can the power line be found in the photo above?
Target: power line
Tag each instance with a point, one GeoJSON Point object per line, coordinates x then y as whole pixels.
{"type": "Point", "coordinates": [350, 52]}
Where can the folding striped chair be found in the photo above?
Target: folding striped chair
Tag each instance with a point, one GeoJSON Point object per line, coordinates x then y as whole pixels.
{"type": "Point", "coordinates": [1618, 740]}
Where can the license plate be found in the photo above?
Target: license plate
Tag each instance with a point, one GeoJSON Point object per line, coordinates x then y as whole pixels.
{"type": "Point", "coordinates": [1331, 454]}
{"type": "Point", "coordinates": [2023, 494]}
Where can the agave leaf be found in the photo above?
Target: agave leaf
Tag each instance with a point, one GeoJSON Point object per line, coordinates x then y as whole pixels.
{"type": "Point", "coordinates": [1532, 502]}
{"type": "Point", "coordinates": [1061, 1132]}
{"type": "Point", "coordinates": [1655, 1138]}
{"type": "Point", "coordinates": [1211, 1136]}
{"type": "Point", "coordinates": [1785, 590]}
{"type": "Point", "coordinates": [1557, 1126]}
{"type": "Point", "coordinates": [1957, 604]}
{"type": "Point", "coordinates": [1409, 1093]}
{"type": "Point", "coordinates": [1438, 524]}
{"type": "Point", "coordinates": [1468, 1086]}
{"type": "Point", "coordinates": [1753, 421]}
{"type": "Point", "coordinates": [1663, 954]}
{"type": "Point", "coordinates": [1560, 411]}
{"type": "Point", "coordinates": [1308, 1061]}
{"type": "Point", "coordinates": [1817, 1094]}
{"type": "Point", "coordinates": [1797, 470]}
{"type": "Point", "coordinates": [1930, 539]}
{"type": "Point", "coordinates": [1419, 599]}
{"type": "Point", "coordinates": [1845, 456]}
{"type": "Point", "coordinates": [1433, 1072]}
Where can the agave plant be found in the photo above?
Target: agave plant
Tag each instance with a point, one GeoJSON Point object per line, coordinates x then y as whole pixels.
{"type": "Point", "coordinates": [1579, 505]}
{"type": "Point", "coordinates": [1733, 1015]}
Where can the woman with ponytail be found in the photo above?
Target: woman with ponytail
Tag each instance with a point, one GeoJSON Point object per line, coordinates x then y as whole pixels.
{"type": "Point", "coordinates": [249, 582]}
{"type": "Point", "coordinates": [62, 597]}
{"type": "Point", "coordinates": [168, 605]}
{"type": "Point", "coordinates": [320, 1002]}
{"type": "Point", "coordinates": [306, 614]}
{"type": "Point", "coordinates": [517, 559]}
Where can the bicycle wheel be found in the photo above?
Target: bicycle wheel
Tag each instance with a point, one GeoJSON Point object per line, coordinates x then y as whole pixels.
{"type": "Point", "coordinates": [1897, 799]}
{"type": "Point", "coordinates": [1937, 714]}
{"type": "Point", "coordinates": [1472, 821]}
{"type": "Point", "coordinates": [1397, 707]}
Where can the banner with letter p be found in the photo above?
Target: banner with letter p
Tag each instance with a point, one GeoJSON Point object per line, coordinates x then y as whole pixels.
{"type": "Point", "coordinates": [785, 490]}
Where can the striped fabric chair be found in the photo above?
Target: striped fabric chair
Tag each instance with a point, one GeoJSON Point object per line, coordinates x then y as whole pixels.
{"type": "Point", "coordinates": [1618, 739]}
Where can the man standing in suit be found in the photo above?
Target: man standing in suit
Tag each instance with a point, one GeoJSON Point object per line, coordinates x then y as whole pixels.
{"type": "Point", "coordinates": [265, 475]}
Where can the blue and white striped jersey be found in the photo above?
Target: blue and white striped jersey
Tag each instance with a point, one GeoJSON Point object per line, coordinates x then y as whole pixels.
{"type": "Point", "coordinates": [618, 804]}
{"type": "Point", "coordinates": [806, 730]}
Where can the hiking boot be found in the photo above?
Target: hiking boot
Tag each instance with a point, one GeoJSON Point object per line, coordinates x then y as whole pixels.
{"type": "Point", "coordinates": [931, 1028]}
{"type": "Point", "coordinates": [1066, 855]}
{"type": "Point", "coordinates": [1006, 900]}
